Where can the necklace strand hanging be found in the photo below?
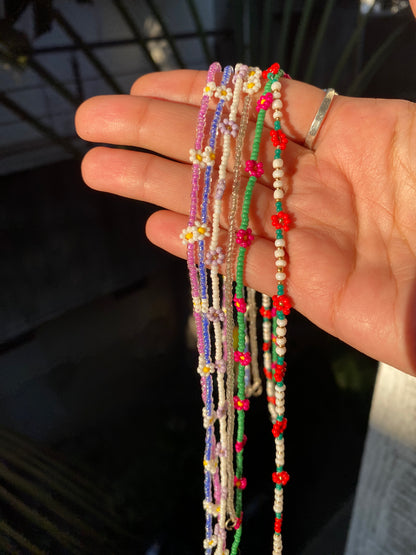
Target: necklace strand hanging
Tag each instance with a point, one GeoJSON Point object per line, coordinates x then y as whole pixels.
{"type": "Point", "coordinates": [225, 401]}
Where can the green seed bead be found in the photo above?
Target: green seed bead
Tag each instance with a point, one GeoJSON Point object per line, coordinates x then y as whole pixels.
{"type": "Point", "coordinates": [278, 206]}
{"type": "Point", "coordinates": [281, 289]}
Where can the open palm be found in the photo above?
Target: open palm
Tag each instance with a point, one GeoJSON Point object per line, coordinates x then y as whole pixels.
{"type": "Point", "coordinates": [352, 247]}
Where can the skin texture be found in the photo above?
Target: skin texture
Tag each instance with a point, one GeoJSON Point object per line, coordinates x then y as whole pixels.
{"type": "Point", "coordinates": [352, 198]}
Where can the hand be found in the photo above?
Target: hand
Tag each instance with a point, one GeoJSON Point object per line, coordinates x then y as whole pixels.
{"type": "Point", "coordinates": [352, 247]}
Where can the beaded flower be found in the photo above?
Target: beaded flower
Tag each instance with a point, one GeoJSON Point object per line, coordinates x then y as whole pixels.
{"type": "Point", "coordinates": [208, 420]}
{"type": "Point", "coordinates": [188, 235]}
{"type": "Point", "coordinates": [211, 508]}
{"type": "Point", "coordinates": [241, 404]}
{"type": "Point", "coordinates": [281, 220]}
{"type": "Point", "coordinates": [228, 127]}
{"type": "Point", "coordinates": [215, 257]}
{"type": "Point", "coordinates": [280, 477]}
{"type": "Point", "coordinates": [240, 304]}
{"type": "Point", "coordinates": [244, 237]}
{"type": "Point", "coordinates": [205, 369]}
{"type": "Point", "coordinates": [253, 83]}
{"type": "Point", "coordinates": [201, 231]}
{"type": "Point", "coordinates": [221, 366]}
{"type": "Point", "coordinates": [279, 427]}
{"type": "Point", "coordinates": [215, 315]}
{"type": "Point", "coordinates": [211, 465]}
{"type": "Point", "coordinates": [278, 525]}
{"type": "Point", "coordinates": [274, 68]}
{"type": "Point", "coordinates": [279, 371]}
{"type": "Point", "coordinates": [282, 303]}
{"type": "Point", "coordinates": [254, 168]}
{"type": "Point", "coordinates": [224, 93]}
{"type": "Point", "coordinates": [265, 312]}
{"type": "Point", "coordinates": [222, 411]}
{"type": "Point", "coordinates": [208, 156]}
{"type": "Point", "coordinates": [210, 88]}
{"type": "Point", "coordinates": [279, 139]}
{"type": "Point", "coordinates": [195, 156]}
{"type": "Point", "coordinates": [241, 71]}
{"type": "Point", "coordinates": [238, 522]}
{"type": "Point", "coordinates": [208, 543]}
{"type": "Point", "coordinates": [264, 102]}
{"type": "Point", "coordinates": [240, 483]}
{"type": "Point", "coordinates": [242, 358]}
{"type": "Point", "coordinates": [219, 191]}
{"type": "Point", "coordinates": [254, 73]}
{"type": "Point", "coordinates": [239, 445]}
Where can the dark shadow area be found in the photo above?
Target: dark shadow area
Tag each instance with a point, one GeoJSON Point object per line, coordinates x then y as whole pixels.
{"type": "Point", "coordinates": [108, 389]}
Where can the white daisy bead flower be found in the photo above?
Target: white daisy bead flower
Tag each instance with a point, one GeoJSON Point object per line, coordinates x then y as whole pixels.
{"type": "Point", "coordinates": [196, 157]}
{"type": "Point", "coordinates": [201, 231]}
{"type": "Point", "coordinates": [188, 235]}
{"type": "Point", "coordinates": [208, 156]}
{"type": "Point", "coordinates": [224, 93]}
{"type": "Point", "coordinates": [210, 88]}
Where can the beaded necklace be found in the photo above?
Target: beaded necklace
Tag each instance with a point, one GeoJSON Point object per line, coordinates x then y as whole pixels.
{"type": "Point", "coordinates": [224, 481]}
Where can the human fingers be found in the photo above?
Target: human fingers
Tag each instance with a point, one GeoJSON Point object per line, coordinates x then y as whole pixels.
{"type": "Point", "coordinates": [140, 122]}
{"type": "Point", "coordinates": [300, 100]}
{"type": "Point", "coordinates": [158, 125]}
{"type": "Point", "coordinates": [165, 183]}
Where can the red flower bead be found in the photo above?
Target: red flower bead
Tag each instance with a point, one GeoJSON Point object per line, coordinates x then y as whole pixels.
{"type": "Point", "coordinates": [281, 477]}
{"type": "Point", "coordinates": [240, 304]}
{"type": "Point", "coordinates": [238, 521]}
{"type": "Point", "coordinates": [278, 525]}
{"type": "Point", "coordinates": [267, 373]}
{"type": "Point", "coordinates": [242, 358]}
{"type": "Point", "coordinates": [241, 404]}
{"type": "Point", "coordinates": [279, 427]}
{"type": "Point", "coordinates": [240, 483]}
{"type": "Point", "coordinates": [239, 445]}
{"type": "Point", "coordinates": [279, 371]}
{"type": "Point", "coordinates": [271, 400]}
{"type": "Point", "coordinates": [282, 303]}
{"type": "Point", "coordinates": [264, 102]}
{"type": "Point", "coordinates": [281, 220]}
{"type": "Point", "coordinates": [244, 237]}
{"type": "Point", "coordinates": [279, 139]}
{"type": "Point", "coordinates": [266, 313]}
{"type": "Point", "coordinates": [266, 346]}
{"type": "Point", "coordinates": [274, 68]}
{"type": "Point", "coordinates": [254, 168]}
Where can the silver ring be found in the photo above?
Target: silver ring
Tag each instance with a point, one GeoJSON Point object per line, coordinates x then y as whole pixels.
{"type": "Point", "coordinates": [320, 117]}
